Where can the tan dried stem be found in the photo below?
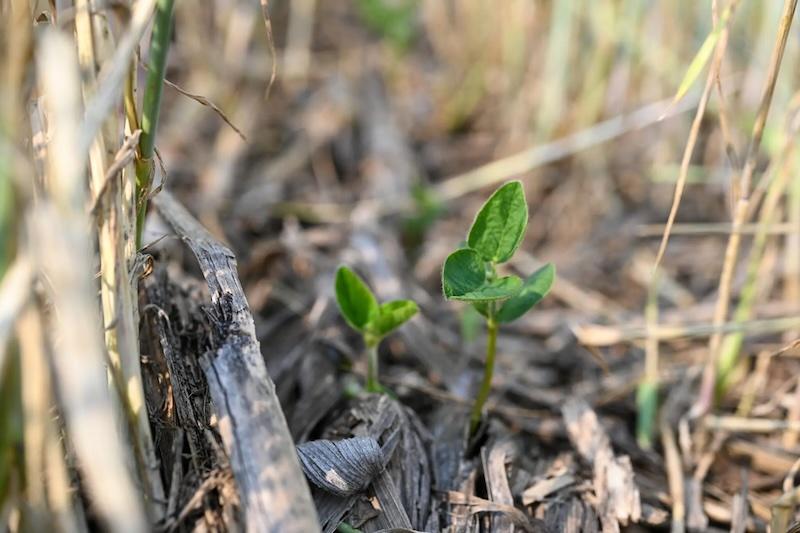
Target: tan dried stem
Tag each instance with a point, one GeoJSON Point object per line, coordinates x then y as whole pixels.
{"type": "Point", "coordinates": [705, 397]}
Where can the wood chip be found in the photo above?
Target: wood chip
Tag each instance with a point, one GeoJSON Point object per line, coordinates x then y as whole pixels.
{"type": "Point", "coordinates": [494, 469]}
{"type": "Point", "coordinates": [343, 467]}
{"type": "Point", "coordinates": [252, 425]}
{"type": "Point", "coordinates": [617, 496]}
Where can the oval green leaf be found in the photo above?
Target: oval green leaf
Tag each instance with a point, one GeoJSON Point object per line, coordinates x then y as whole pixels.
{"type": "Point", "coordinates": [356, 302]}
{"type": "Point", "coordinates": [500, 225]}
{"type": "Point", "coordinates": [391, 315]}
{"type": "Point", "coordinates": [536, 287]}
{"type": "Point", "coordinates": [498, 289]}
{"type": "Point", "coordinates": [463, 272]}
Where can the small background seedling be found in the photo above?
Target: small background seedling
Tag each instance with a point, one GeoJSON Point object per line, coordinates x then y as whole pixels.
{"type": "Point", "coordinates": [470, 274]}
{"type": "Point", "coordinates": [374, 321]}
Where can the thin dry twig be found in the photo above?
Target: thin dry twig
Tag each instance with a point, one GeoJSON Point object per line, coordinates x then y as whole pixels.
{"type": "Point", "coordinates": [692, 140]}
{"type": "Point", "coordinates": [705, 396]}
{"type": "Point", "coordinates": [122, 158]}
{"type": "Point", "coordinates": [202, 100]}
{"type": "Point", "coordinates": [271, 43]}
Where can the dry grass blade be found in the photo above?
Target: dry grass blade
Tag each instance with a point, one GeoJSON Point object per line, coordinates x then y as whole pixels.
{"type": "Point", "coordinates": [705, 396]}
{"type": "Point", "coordinates": [713, 73]}
{"type": "Point", "coordinates": [724, 121]}
{"type": "Point", "coordinates": [271, 43]}
{"type": "Point", "coordinates": [65, 257]}
{"type": "Point", "coordinates": [202, 100]}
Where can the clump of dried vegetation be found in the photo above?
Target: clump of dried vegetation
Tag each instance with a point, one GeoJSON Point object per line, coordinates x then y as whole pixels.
{"type": "Point", "coordinates": [179, 182]}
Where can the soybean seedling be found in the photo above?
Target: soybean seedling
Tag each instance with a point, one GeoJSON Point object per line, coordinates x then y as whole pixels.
{"type": "Point", "coordinates": [470, 274]}
{"type": "Point", "coordinates": [374, 321]}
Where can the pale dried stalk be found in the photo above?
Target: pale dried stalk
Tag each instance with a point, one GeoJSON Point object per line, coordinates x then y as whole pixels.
{"type": "Point", "coordinates": [595, 335]}
{"type": "Point", "coordinates": [724, 122]}
{"type": "Point", "coordinates": [47, 483]}
{"type": "Point", "coordinates": [66, 513]}
{"type": "Point", "coordinates": [705, 397]}
{"type": "Point", "coordinates": [116, 289]}
{"type": "Point", "coordinates": [65, 257]}
{"type": "Point", "coordinates": [741, 424]}
{"type": "Point", "coordinates": [15, 291]}
{"type": "Point", "coordinates": [36, 402]}
{"type": "Point", "coordinates": [299, 34]}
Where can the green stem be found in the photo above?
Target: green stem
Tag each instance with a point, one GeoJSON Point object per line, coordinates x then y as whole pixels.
{"type": "Point", "coordinates": [373, 385]}
{"type": "Point", "coordinates": [647, 394]}
{"type": "Point", "coordinates": [488, 371]}
{"type": "Point", "coordinates": [151, 105]}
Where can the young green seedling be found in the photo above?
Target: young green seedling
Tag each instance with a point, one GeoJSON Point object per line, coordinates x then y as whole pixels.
{"type": "Point", "coordinates": [374, 321]}
{"type": "Point", "coordinates": [470, 274]}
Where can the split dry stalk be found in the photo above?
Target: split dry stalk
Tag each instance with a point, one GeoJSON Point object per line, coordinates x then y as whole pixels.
{"type": "Point", "coordinates": [78, 359]}
{"type": "Point", "coordinates": [47, 480]}
{"type": "Point", "coordinates": [116, 289]}
{"type": "Point", "coordinates": [705, 396]}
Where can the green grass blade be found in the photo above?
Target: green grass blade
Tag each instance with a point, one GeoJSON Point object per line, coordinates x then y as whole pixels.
{"type": "Point", "coordinates": [703, 55]}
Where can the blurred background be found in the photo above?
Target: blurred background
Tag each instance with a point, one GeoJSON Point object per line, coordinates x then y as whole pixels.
{"type": "Point", "coordinates": [383, 103]}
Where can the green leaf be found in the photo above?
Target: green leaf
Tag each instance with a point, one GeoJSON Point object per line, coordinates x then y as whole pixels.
{"type": "Point", "coordinates": [703, 55]}
{"type": "Point", "coordinates": [356, 302]}
{"type": "Point", "coordinates": [393, 19]}
{"type": "Point", "coordinates": [498, 289]}
{"type": "Point", "coordinates": [391, 315]}
{"type": "Point", "coordinates": [534, 289]}
{"type": "Point", "coordinates": [463, 272]}
{"type": "Point", "coordinates": [500, 224]}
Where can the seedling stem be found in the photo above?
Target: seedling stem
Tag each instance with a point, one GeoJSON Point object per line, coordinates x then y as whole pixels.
{"type": "Point", "coordinates": [470, 274]}
{"type": "Point", "coordinates": [151, 106]}
{"type": "Point", "coordinates": [488, 372]}
{"type": "Point", "coordinates": [373, 385]}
